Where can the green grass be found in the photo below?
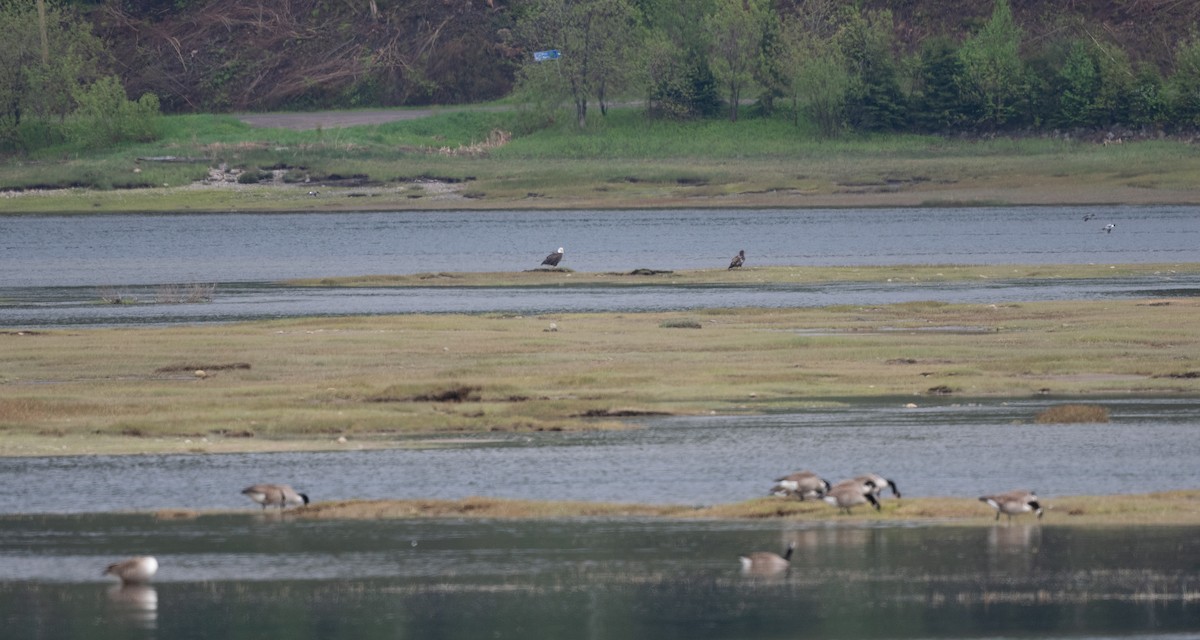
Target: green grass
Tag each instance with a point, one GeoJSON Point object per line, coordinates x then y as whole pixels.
{"type": "Point", "coordinates": [622, 160]}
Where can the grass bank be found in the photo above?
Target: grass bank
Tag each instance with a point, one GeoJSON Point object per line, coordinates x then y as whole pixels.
{"type": "Point", "coordinates": [474, 160]}
{"type": "Point", "coordinates": [351, 382]}
{"type": "Point", "coordinates": [1161, 508]}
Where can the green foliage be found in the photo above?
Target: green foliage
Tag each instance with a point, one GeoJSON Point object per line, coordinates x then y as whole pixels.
{"type": "Point", "coordinates": [106, 117]}
{"type": "Point", "coordinates": [35, 93]}
{"type": "Point", "coordinates": [1184, 96]}
{"type": "Point", "coordinates": [1147, 97]}
{"type": "Point", "coordinates": [873, 100]}
{"type": "Point", "coordinates": [594, 37]}
{"type": "Point", "coordinates": [735, 34]}
{"type": "Point", "coordinates": [936, 103]}
{"type": "Point", "coordinates": [1079, 84]}
{"type": "Point", "coordinates": [993, 81]}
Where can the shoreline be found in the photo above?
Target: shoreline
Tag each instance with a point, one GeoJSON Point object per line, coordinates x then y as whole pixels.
{"type": "Point", "coordinates": [200, 199]}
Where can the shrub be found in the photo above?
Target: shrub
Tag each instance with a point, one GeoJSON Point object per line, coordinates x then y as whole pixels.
{"type": "Point", "coordinates": [104, 116]}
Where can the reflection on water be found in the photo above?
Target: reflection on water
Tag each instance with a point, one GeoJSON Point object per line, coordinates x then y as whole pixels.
{"type": "Point", "coordinates": [134, 603]}
{"type": "Point", "coordinates": [237, 576]}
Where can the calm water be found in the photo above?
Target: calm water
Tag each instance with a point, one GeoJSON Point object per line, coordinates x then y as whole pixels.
{"type": "Point", "coordinates": [250, 576]}
{"type": "Point", "coordinates": [940, 450]}
{"type": "Point", "coordinates": [53, 268]}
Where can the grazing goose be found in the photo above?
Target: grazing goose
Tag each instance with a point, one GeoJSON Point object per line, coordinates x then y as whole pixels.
{"type": "Point", "coordinates": [802, 484]}
{"type": "Point", "coordinates": [135, 570]}
{"type": "Point", "coordinates": [553, 258]}
{"type": "Point", "coordinates": [279, 495]}
{"type": "Point", "coordinates": [851, 493]}
{"type": "Point", "coordinates": [1013, 503]}
{"type": "Point", "coordinates": [880, 483]}
{"type": "Point", "coordinates": [766, 562]}
{"type": "Point", "coordinates": [738, 260]}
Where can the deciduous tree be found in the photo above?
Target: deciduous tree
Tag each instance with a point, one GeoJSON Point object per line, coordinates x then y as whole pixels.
{"type": "Point", "coordinates": [735, 32]}
{"type": "Point", "coordinates": [595, 39]}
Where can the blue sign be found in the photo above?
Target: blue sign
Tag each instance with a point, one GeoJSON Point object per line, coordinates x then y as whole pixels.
{"type": "Point", "coordinates": [542, 56]}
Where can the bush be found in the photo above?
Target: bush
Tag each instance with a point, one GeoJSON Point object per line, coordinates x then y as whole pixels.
{"type": "Point", "coordinates": [104, 116]}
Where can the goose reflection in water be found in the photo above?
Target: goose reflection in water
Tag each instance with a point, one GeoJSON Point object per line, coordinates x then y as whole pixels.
{"type": "Point", "coordinates": [134, 603]}
{"type": "Point", "coordinates": [1015, 539]}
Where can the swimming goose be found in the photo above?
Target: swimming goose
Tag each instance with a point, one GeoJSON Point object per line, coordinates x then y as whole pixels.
{"type": "Point", "coordinates": [880, 483]}
{"type": "Point", "coordinates": [851, 493]}
{"type": "Point", "coordinates": [135, 570]}
{"type": "Point", "coordinates": [278, 495]}
{"type": "Point", "coordinates": [766, 562]}
{"type": "Point", "coordinates": [802, 484]}
{"type": "Point", "coordinates": [1013, 503]}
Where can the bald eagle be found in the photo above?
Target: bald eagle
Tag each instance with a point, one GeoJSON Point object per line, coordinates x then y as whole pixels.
{"type": "Point", "coordinates": [738, 260]}
{"type": "Point", "coordinates": [553, 258]}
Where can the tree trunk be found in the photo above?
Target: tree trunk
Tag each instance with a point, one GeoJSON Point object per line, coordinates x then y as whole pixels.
{"type": "Point", "coordinates": [581, 112]}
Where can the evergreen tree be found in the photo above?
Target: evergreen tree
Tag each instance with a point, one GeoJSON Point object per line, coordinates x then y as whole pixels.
{"type": "Point", "coordinates": [935, 102]}
{"type": "Point", "coordinates": [993, 81]}
{"type": "Point", "coordinates": [874, 101]}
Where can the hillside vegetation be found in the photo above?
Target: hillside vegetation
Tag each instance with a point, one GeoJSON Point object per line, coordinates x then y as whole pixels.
{"type": "Point", "coordinates": [294, 54]}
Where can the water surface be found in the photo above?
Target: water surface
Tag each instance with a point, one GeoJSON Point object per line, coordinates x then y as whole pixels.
{"type": "Point", "coordinates": [938, 449]}
{"type": "Point", "coordinates": [250, 576]}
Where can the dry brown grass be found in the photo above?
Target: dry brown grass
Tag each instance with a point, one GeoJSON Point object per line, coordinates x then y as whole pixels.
{"type": "Point", "coordinates": [1164, 508]}
{"type": "Point", "coordinates": [1072, 413]}
{"type": "Point", "coordinates": [302, 383]}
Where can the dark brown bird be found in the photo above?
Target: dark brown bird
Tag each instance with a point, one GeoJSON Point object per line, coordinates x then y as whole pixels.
{"type": "Point", "coordinates": [552, 259]}
{"type": "Point", "coordinates": [738, 260]}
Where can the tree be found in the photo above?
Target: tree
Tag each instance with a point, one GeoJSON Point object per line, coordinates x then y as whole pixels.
{"type": "Point", "coordinates": [674, 68]}
{"type": "Point", "coordinates": [735, 32]}
{"type": "Point", "coordinates": [873, 101]}
{"type": "Point", "coordinates": [1184, 83]}
{"type": "Point", "coordinates": [29, 88]}
{"type": "Point", "coordinates": [595, 38]}
{"type": "Point", "coordinates": [993, 76]}
{"type": "Point", "coordinates": [935, 104]}
{"type": "Point", "coordinates": [816, 79]}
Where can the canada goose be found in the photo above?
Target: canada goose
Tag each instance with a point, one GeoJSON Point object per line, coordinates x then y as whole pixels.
{"type": "Point", "coordinates": [766, 562]}
{"type": "Point", "coordinates": [802, 484]}
{"type": "Point", "coordinates": [851, 493]}
{"type": "Point", "coordinates": [738, 260]}
{"type": "Point", "coordinates": [280, 495]}
{"type": "Point", "coordinates": [135, 570]}
{"type": "Point", "coordinates": [1013, 503]}
{"type": "Point", "coordinates": [553, 258]}
{"type": "Point", "coordinates": [880, 483]}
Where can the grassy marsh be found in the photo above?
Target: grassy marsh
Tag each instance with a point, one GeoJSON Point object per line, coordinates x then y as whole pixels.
{"type": "Point", "coordinates": [380, 381]}
{"type": "Point", "coordinates": [620, 161]}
